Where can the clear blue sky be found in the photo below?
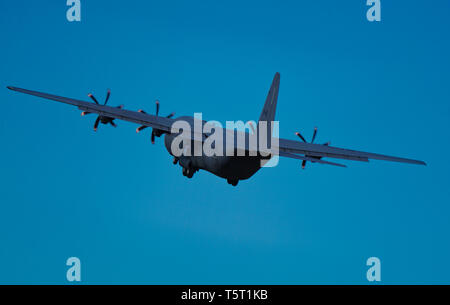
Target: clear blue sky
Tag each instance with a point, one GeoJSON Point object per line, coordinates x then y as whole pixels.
{"type": "Point", "coordinates": [117, 202]}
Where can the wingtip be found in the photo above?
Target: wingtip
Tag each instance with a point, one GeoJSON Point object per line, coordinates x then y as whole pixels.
{"type": "Point", "coordinates": [10, 88]}
{"type": "Point", "coordinates": [417, 162]}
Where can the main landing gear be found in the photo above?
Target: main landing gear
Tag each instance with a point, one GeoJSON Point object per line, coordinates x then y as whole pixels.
{"type": "Point", "coordinates": [188, 172]}
{"type": "Point", "coordinates": [233, 182]}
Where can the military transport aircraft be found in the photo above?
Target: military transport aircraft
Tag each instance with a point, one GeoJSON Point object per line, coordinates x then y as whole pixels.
{"type": "Point", "coordinates": [233, 168]}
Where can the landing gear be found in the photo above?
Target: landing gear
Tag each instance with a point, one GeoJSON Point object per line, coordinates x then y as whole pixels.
{"type": "Point", "coordinates": [188, 172]}
{"type": "Point", "coordinates": [175, 160]}
{"type": "Point", "coordinates": [233, 182]}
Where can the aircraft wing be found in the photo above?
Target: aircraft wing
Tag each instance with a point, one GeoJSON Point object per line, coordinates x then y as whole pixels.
{"type": "Point", "coordinates": [286, 148]}
{"type": "Point", "coordinates": [304, 158]}
{"type": "Point", "coordinates": [318, 150]}
{"type": "Point", "coordinates": [154, 121]}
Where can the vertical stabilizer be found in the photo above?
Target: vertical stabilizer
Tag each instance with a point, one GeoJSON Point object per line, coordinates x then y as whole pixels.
{"type": "Point", "coordinates": [270, 107]}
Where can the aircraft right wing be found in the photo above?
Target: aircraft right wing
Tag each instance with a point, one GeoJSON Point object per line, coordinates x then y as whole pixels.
{"type": "Point", "coordinates": [305, 158]}
{"type": "Point", "coordinates": [318, 150]}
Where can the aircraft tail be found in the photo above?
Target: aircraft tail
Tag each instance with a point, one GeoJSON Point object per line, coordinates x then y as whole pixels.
{"type": "Point", "coordinates": [270, 106]}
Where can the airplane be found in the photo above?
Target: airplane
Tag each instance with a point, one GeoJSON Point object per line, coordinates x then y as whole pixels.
{"type": "Point", "coordinates": [232, 168]}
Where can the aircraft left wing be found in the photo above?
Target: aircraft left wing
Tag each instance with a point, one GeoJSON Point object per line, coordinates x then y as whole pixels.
{"type": "Point", "coordinates": [153, 121]}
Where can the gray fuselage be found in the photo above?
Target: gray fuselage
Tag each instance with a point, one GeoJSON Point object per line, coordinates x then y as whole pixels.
{"type": "Point", "coordinates": [232, 168]}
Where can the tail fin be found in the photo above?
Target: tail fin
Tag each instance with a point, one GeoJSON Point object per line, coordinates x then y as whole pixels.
{"type": "Point", "coordinates": [270, 107]}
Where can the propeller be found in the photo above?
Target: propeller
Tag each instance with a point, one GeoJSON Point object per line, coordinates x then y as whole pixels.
{"type": "Point", "coordinates": [155, 132]}
{"type": "Point", "coordinates": [312, 141]}
{"type": "Point", "coordinates": [100, 118]}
